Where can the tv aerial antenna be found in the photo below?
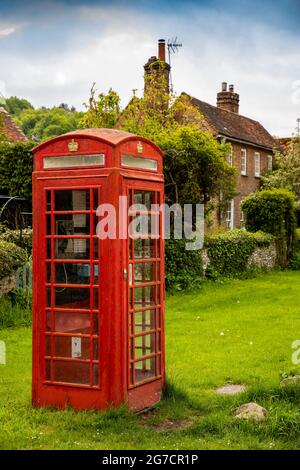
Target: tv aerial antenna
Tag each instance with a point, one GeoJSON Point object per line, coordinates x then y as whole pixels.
{"type": "Point", "coordinates": [173, 47]}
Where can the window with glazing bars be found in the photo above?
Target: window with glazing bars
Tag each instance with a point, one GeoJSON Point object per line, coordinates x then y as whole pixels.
{"type": "Point", "coordinates": [144, 326]}
{"type": "Point", "coordinates": [72, 347]}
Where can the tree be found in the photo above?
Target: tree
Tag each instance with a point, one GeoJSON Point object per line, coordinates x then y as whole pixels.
{"type": "Point", "coordinates": [287, 170]}
{"type": "Point", "coordinates": [195, 166]}
{"type": "Point", "coordinates": [103, 111]}
{"type": "Point", "coordinates": [15, 106]}
{"type": "Point", "coordinates": [43, 123]}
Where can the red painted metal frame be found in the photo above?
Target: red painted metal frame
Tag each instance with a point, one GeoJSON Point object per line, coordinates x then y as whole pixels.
{"type": "Point", "coordinates": [114, 385]}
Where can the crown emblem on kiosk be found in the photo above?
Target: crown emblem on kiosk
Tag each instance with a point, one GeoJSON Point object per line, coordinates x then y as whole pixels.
{"type": "Point", "coordinates": [73, 146]}
{"type": "Point", "coordinates": [140, 147]}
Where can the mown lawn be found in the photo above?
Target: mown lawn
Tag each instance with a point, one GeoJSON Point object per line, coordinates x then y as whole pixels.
{"type": "Point", "coordinates": [238, 331]}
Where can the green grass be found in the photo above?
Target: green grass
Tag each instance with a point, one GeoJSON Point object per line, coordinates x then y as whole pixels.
{"type": "Point", "coordinates": [238, 331]}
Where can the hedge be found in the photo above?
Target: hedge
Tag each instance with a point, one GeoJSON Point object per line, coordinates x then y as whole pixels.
{"type": "Point", "coordinates": [16, 165]}
{"type": "Point", "coordinates": [273, 211]}
{"type": "Point", "coordinates": [184, 268]}
{"type": "Point", "coordinates": [12, 257]}
{"type": "Point", "coordinates": [229, 252]}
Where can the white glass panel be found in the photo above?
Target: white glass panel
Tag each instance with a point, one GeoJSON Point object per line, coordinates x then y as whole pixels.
{"type": "Point", "coordinates": [138, 162]}
{"type": "Point", "coordinates": [67, 161]}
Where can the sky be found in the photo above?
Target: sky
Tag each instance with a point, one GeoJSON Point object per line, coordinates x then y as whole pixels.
{"type": "Point", "coordinates": [52, 51]}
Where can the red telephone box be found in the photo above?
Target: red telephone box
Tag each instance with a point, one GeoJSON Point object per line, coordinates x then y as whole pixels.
{"type": "Point", "coordinates": [98, 308]}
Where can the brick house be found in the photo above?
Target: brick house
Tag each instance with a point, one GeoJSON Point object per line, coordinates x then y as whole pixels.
{"type": "Point", "coordinates": [9, 128]}
{"type": "Point", "coordinates": [252, 145]}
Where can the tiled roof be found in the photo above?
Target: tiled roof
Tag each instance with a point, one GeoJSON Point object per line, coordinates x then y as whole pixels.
{"type": "Point", "coordinates": [10, 129]}
{"type": "Point", "coordinates": [235, 126]}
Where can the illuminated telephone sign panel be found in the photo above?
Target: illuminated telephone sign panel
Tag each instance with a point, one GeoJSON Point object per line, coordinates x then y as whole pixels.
{"type": "Point", "coordinates": [98, 281]}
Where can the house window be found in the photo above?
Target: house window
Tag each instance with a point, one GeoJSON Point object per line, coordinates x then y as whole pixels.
{"type": "Point", "coordinates": [257, 164]}
{"type": "Point", "coordinates": [229, 215]}
{"type": "Point", "coordinates": [244, 162]}
{"type": "Point", "coordinates": [229, 158]}
{"type": "Point", "coordinates": [242, 218]}
{"type": "Point", "coordinates": [270, 162]}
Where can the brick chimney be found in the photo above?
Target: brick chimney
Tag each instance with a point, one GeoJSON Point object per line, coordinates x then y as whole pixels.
{"type": "Point", "coordinates": [228, 99]}
{"type": "Point", "coordinates": [157, 70]}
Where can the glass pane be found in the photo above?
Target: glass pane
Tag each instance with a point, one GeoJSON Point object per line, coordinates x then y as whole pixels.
{"type": "Point", "coordinates": [95, 299]}
{"type": "Point", "coordinates": [48, 370]}
{"type": "Point", "coordinates": [95, 349]}
{"type": "Point", "coordinates": [71, 322]}
{"type": "Point", "coordinates": [74, 248]}
{"type": "Point", "coordinates": [73, 347]}
{"type": "Point", "coordinates": [48, 297]}
{"type": "Point", "coordinates": [48, 248]}
{"type": "Point", "coordinates": [95, 374]}
{"type": "Point", "coordinates": [68, 161]}
{"type": "Point", "coordinates": [144, 345]}
{"type": "Point", "coordinates": [48, 201]}
{"type": "Point", "coordinates": [144, 369]}
{"type": "Point", "coordinates": [143, 200]}
{"type": "Point", "coordinates": [72, 297]}
{"type": "Point", "coordinates": [72, 273]}
{"type": "Point", "coordinates": [144, 296]}
{"type": "Point", "coordinates": [144, 248]}
{"type": "Point", "coordinates": [96, 198]}
{"type": "Point", "coordinates": [72, 200]}
{"type": "Point", "coordinates": [139, 162]}
{"type": "Point", "coordinates": [48, 346]}
{"type": "Point", "coordinates": [71, 372]}
{"type": "Point", "coordinates": [144, 272]}
{"type": "Point", "coordinates": [72, 224]}
{"type": "Point", "coordinates": [140, 225]}
{"type": "Point", "coordinates": [144, 321]}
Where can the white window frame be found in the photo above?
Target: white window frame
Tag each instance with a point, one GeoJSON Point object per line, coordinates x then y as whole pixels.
{"type": "Point", "coordinates": [242, 218]}
{"type": "Point", "coordinates": [229, 157]}
{"type": "Point", "coordinates": [243, 162]}
{"type": "Point", "coordinates": [270, 162]}
{"type": "Point", "coordinates": [230, 215]}
{"type": "Point", "coordinates": [257, 164]}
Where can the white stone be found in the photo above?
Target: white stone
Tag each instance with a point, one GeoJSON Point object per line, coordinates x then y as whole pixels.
{"type": "Point", "coordinates": [251, 411]}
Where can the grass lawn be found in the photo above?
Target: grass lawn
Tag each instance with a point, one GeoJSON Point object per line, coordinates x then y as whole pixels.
{"type": "Point", "coordinates": [240, 331]}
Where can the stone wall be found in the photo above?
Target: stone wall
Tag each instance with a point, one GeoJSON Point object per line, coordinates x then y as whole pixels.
{"type": "Point", "coordinates": [262, 257]}
{"type": "Point", "coordinates": [7, 284]}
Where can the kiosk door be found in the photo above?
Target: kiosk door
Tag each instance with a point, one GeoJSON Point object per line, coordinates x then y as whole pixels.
{"type": "Point", "coordinates": [145, 283]}
{"type": "Point", "coordinates": [71, 326]}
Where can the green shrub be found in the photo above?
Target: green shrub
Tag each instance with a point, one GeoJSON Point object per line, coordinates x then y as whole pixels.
{"type": "Point", "coordinates": [184, 268]}
{"type": "Point", "coordinates": [294, 263]}
{"type": "Point", "coordinates": [11, 258]}
{"type": "Point", "coordinates": [16, 164]}
{"type": "Point", "coordinates": [23, 238]}
{"type": "Point", "coordinates": [273, 211]}
{"type": "Point", "coordinates": [13, 313]}
{"type": "Point", "coordinates": [229, 252]}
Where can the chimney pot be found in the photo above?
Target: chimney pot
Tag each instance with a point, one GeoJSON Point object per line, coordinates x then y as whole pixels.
{"type": "Point", "coordinates": [162, 50]}
{"type": "Point", "coordinates": [224, 86]}
{"type": "Point", "coordinates": [228, 99]}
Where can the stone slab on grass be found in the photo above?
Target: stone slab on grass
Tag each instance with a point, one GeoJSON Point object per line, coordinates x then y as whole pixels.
{"type": "Point", "coordinates": [231, 389]}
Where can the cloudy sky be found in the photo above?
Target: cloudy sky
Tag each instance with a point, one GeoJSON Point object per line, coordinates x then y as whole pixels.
{"type": "Point", "coordinates": [52, 51]}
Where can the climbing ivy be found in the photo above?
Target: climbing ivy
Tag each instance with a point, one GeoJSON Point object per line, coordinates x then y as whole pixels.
{"type": "Point", "coordinates": [229, 252]}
